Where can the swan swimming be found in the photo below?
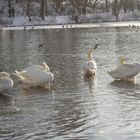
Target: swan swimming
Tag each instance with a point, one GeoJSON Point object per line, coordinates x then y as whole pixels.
{"type": "Point", "coordinates": [43, 66]}
{"type": "Point", "coordinates": [125, 71]}
{"type": "Point", "coordinates": [6, 82]}
{"type": "Point", "coordinates": [90, 66]}
{"type": "Point", "coordinates": [36, 75]}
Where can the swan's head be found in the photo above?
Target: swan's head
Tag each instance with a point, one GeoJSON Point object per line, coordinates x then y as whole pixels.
{"type": "Point", "coordinates": [45, 66]}
{"type": "Point", "coordinates": [122, 61]}
{"type": "Point", "coordinates": [4, 75]}
{"type": "Point", "coordinates": [126, 60]}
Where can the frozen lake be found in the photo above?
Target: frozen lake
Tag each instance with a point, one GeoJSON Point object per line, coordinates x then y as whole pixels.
{"type": "Point", "coordinates": [73, 109]}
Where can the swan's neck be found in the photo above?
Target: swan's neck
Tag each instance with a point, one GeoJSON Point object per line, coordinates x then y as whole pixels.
{"type": "Point", "coordinates": [90, 55]}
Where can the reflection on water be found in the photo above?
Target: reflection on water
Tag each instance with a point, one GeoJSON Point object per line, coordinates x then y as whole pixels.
{"type": "Point", "coordinates": [76, 107]}
{"type": "Point", "coordinates": [91, 82]}
{"type": "Point", "coordinates": [124, 84]}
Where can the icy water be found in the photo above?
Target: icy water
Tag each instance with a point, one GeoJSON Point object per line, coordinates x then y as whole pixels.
{"type": "Point", "coordinates": [74, 108]}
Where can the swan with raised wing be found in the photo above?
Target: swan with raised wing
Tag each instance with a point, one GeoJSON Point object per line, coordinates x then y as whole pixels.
{"type": "Point", "coordinates": [35, 76]}
{"type": "Point", "coordinates": [127, 70]}
{"type": "Point", "coordinates": [43, 66]}
{"type": "Point", "coordinates": [90, 66]}
{"type": "Point", "coordinates": [6, 82]}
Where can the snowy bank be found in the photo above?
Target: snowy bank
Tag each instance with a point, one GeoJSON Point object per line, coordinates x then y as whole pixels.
{"type": "Point", "coordinates": [21, 21]}
{"type": "Point", "coordinates": [130, 24]}
{"type": "Point", "coordinates": [60, 20]}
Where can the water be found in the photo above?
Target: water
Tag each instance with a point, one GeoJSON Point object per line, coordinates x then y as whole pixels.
{"type": "Point", "coordinates": [73, 109]}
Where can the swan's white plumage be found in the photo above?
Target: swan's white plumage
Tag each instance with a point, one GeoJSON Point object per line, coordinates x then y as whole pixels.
{"type": "Point", "coordinates": [43, 66]}
{"type": "Point", "coordinates": [125, 70]}
{"type": "Point", "coordinates": [90, 66]}
{"type": "Point", "coordinates": [6, 82]}
{"type": "Point", "coordinates": [36, 75]}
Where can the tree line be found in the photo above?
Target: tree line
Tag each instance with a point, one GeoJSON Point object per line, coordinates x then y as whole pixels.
{"type": "Point", "coordinates": [75, 8]}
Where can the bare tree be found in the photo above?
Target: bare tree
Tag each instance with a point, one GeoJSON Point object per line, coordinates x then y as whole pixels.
{"type": "Point", "coordinates": [80, 5]}
{"type": "Point", "coordinates": [58, 5]}
{"type": "Point", "coordinates": [42, 9]}
{"type": "Point", "coordinates": [115, 9]}
{"type": "Point", "coordinates": [138, 5]}
{"type": "Point", "coordinates": [123, 4]}
{"type": "Point", "coordinates": [9, 3]}
{"type": "Point", "coordinates": [130, 4]}
{"type": "Point", "coordinates": [28, 9]}
{"type": "Point", "coordinates": [46, 7]}
{"type": "Point", "coordinates": [106, 5]}
{"type": "Point", "coordinates": [2, 10]}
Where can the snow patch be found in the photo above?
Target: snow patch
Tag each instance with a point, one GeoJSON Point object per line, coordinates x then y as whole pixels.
{"type": "Point", "coordinates": [20, 21]}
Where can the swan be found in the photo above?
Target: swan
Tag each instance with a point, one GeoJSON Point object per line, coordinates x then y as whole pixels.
{"type": "Point", "coordinates": [43, 66]}
{"type": "Point", "coordinates": [36, 75]}
{"type": "Point", "coordinates": [90, 66]}
{"type": "Point", "coordinates": [6, 82]}
{"type": "Point", "coordinates": [125, 71]}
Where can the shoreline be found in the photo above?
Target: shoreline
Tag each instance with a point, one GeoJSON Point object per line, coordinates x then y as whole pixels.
{"type": "Point", "coordinates": [81, 25]}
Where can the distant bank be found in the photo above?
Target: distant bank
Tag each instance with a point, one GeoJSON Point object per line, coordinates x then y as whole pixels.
{"type": "Point", "coordinates": [131, 24]}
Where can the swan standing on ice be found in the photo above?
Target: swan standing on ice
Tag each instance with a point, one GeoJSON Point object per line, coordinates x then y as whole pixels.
{"type": "Point", "coordinates": [90, 66]}
{"type": "Point", "coordinates": [36, 75]}
{"type": "Point", "coordinates": [125, 71]}
{"type": "Point", "coordinates": [6, 82]}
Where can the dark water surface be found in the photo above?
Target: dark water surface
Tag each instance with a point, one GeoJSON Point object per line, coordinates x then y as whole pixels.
{"type": "Point", "coordinates": [73, 109]}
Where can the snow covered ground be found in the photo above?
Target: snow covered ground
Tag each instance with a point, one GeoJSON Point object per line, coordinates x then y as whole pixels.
{"type": "Point", "coordinates": [60, 20]}
{"type": "Point", "coordinates": [131, 24]}
{"type": "Point", "coordinates": [53, 22]}
{"type": "Point", "coordinates": [20, 21]}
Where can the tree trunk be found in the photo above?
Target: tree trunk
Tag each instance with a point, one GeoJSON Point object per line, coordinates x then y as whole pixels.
{"type": "Point", "coordinates": [28, 10]}
{"type": "Point", "coordinates": [115, 10]}
{"type": "Point", "coordinates": [106, 6]}
{"type": "Point", "coordinates": [138, 6]}
{"type": "Point", "coordinates": [124, 5]}
{"type": "Point", "coordinates": [9, 3]}
{"type": "Point", "coordinates": [46, 7]}
{"type": "Point", "coordinates": [131, 5]}
{"type": "Point", "coordinates": [42, 9]}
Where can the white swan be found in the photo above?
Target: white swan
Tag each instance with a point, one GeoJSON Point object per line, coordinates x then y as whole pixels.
{"type": "Point", "coordinates": [6, 82]}
{"type": "Point", "coordinates": [36, 76]}
{"type": "Point", "coordinates": [90, 66]}
{"type": "Point", "coordinates": [125, 71]}
{"type": "Point", "coordinates": [43, 66]}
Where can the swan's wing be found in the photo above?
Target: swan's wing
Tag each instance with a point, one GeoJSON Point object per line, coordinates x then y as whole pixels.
{"type": "Point", "coordinates": [45, 67]}
{"type": "Point", "coordinates": [125, 71]}
{"type": "Point", "coordinates": [90, 65]}
{"type": "Point", "coordinates": [33, 67]}
{"type": "Point", "coordinates": [128, 70]}
{"type": "Point", "coordinates": [6, 84]}
{"type": "Point", "coordinates": [38, 76]}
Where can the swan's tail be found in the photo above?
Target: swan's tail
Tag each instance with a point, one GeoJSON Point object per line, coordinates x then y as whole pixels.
{"type": "Point", "coordinates": [46, 66]}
